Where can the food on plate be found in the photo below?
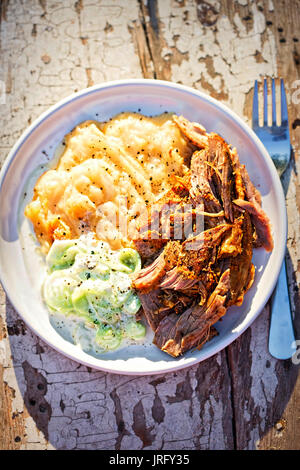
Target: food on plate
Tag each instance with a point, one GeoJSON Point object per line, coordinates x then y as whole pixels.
{"type": "Point", "coordinates": [88, 287]}
{"type": "Point", "coordinates": [107, 172]}
{"type": "Point", "coordinates": [148, 218]}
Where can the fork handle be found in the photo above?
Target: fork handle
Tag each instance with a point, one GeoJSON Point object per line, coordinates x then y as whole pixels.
{"type": "Point", "coordinates": [281, 336]}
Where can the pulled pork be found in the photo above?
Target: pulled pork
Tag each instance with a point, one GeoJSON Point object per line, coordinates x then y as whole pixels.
{"type": "Point", "coordinates": [192, 272]}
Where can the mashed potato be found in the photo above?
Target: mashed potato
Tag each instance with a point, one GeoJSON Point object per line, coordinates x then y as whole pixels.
{"type": "Point", "coordinates": [107, 173]}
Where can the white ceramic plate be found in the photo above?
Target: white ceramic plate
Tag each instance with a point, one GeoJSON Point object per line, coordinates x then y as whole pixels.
{"type": "Point", "coordinates": [21, 266]}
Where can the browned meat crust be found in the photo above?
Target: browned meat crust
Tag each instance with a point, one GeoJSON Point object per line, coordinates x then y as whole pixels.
{"type": "Point", "coordinates": [159, 303]}
{"type": "Point", "coordinates": [202, 190]}
{"type": "Point", "coordinates": [240, 266]}
{"type": "Point", "coordinates": [260, 221]}
{"type": "Point", "coordinates": [176, 334]}
{"type": "Point", "coordinates": [149, 277]}
{"type": "Point", "coordinates": [192, 130]}
{"type": "Point", "coordinates": [189, 258]}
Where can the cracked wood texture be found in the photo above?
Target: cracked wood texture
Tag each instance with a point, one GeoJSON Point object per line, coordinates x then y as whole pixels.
{"type": "Point", "coordinates": [242, 398]}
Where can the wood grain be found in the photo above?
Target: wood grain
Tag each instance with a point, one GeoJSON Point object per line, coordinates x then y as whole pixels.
{"type": "Point", "coordinates": [241, 398]}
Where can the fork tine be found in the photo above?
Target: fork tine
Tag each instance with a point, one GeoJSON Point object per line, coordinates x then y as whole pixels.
{"type": "Point", "coordinates": [273, 103]}
{"type": "Point", "coordinates": [255, 106]}
{"type": "Point", "coordinates": [265, 102]}
{"type": "Point", "coordinates": [284, 110]}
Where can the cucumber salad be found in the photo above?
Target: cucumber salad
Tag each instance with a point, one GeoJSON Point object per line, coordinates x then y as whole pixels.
{"type": "Point", "coordinates": [88, 288]}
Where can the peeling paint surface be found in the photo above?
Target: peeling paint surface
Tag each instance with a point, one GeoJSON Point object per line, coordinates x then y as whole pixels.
{"type": "Point", "coordinates": [242, 398]}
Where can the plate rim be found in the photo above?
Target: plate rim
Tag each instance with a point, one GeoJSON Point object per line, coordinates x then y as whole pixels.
{"type": "Point", "coordinates": [243, 125]}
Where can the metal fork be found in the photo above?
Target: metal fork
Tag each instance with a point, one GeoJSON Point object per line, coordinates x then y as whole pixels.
{"type": "Point", "coordinates": [276, 139]}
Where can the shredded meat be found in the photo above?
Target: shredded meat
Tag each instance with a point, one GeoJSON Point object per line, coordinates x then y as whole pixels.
{"type": "Point", "coordinates": [159, 303]}
{"type": "Point", "coordinates": [193, 272]}
{"type": "Point", "coordinates": [149, 277]}
{"type": "Point", "coordinates": [189, 257]}
{"type": "Point", "coordinates": [192, 130]}
{"type": "Point", "coordinates": [203, 191]}
{"type": "Point", "coordinates": [260, 221]}
{"type": "Point", "coordinates": [176, 334]}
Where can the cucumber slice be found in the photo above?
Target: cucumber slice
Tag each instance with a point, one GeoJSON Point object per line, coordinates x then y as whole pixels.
{"type": "Point", "coordinates": [131, 305]}
{"type": "Point", "coordinates": [95, 299]}
{"type": "Point", "coordinates": [125, 260]}
{"type": "Point", "coordinates": [101, 271]}
{"type": "Point", "coordinates": [134, 330]}
{"type": "Point", "coordinates": [62, 253]}
{"type": "Point", "coordinates": [108, 337]}
{"type": "Point", "coordinates": [57, 291]}
{"type": "Point", "coordinates": [121, 285]}
{"type": "Point", "coordinates": [130, 260]}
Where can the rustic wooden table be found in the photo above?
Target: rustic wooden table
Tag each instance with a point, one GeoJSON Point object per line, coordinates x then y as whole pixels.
{"type": "Point", "coordinates": [242, 398]}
